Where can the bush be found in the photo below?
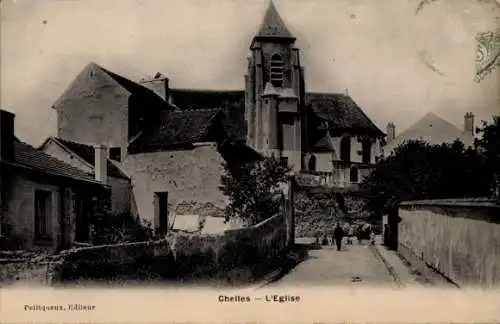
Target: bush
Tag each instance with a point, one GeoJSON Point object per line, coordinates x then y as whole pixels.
{"type": "Point", "coordinates": [251, 187]}
{"type": "Point", "coordinates": [110, 228]}
{"type": "Point", "coordinates": [418, 171]}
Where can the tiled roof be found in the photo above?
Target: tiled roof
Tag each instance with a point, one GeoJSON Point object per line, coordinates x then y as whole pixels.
{"type": "Point", "coordinates": [273, 26]}
{"type": "Point", "coordinates": [179, 128]}
{"type": "Point", "coordinates": [324, 143]}
{"type": "Point", "coordinates": [432, 129]}
{"type": "Point", "coordinates": [192, 99]}
{"type": "Point", "coordinates": [231, 101]}
{"type": "Point", "coordinates": [87, 153]}
{"type": "Point", "coordinates": [338, 109]}
{"type": "Point", "coordinates": [28, 157]}
{"type": "Point", "coordinates": [341, 112]}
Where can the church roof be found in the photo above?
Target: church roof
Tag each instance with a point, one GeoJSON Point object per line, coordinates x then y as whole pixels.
{"type": "Point", "coordinates": [324, 144]}
{"type": "Point", "coordinates": [341, 112]}
{"type": "Point", "coordinates": [181, 128]}
{"type": "Point", "coordinates": [432, 129]}
{"type": "Point", "coordinates": [272, 25]}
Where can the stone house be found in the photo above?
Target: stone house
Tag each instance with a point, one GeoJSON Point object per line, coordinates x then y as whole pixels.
{"type": "Point", "coordinates": [83, 157]}
{"type": "Point", "coordinates": [45, 203]}
{"type": "Point", "coordinates": [176, 166]}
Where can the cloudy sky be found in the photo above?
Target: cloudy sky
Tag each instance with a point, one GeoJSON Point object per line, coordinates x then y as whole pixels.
{"type": "Point", "coordinates": [396, 63]}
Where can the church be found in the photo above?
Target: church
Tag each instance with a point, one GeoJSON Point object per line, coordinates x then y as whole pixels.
{"type": "Point", "coordinates": [172, 142]}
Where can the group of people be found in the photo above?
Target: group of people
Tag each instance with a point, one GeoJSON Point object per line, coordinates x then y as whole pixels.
{"type": "Point", "coordinates": [339, 234]}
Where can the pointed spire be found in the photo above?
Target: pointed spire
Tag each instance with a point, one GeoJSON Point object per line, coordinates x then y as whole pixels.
{"type": "Point", "coordinates": [273, 26]}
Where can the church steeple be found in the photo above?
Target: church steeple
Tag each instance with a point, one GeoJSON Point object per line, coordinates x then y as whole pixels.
{"type": "Point", "coordinates": [273, 27]}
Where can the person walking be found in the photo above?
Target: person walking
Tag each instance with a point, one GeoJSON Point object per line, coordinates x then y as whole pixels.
{"type": "Point", "coordinates": [372, 236]}
{"type": "Point", "coordinates": [338, 234]}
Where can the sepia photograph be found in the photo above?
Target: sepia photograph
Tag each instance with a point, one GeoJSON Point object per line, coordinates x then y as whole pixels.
{"type": "Point", "coordinates": [237, 161]}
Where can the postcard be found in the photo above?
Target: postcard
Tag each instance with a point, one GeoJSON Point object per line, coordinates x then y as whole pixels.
{"type": "Point", "coordinates": [250, 161]}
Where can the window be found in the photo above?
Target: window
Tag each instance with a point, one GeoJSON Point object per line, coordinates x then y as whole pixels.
{"type": "Point", "coordinates": [162, 211]}
{"type": "Point", "coordinates": [345, 149]}
{"type": "Point", "coordinates": [354, 177]}
{"type": "Point", "coordinates": [43, 215]}
{"type": "Point", "coordinates": [284, 161]}
{"type": "Point", "coordinates": [277, 69]}
{"type": "Point", "coordinates": [367, 151]}
{"type": "Point", "coordinates": [115, 153]}
{"type": "Point", "coordinates": [312, 163]}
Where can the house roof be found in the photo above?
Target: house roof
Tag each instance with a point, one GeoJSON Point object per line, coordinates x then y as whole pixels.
{"type": "Point", "coordinates": [432, 129]}
{"type": "Point", "coordinates": [87, 153]}
{"type": "Point", "coordinates": [341, 112]}
{"type": "Point", "coordinates": [273, 26]}
{"type": "Point", "coordinates": [232, 101]}
{"type": "Point", "coordinates": [178, 128]}
{"type": "Point", "coordinates": [28, 157]}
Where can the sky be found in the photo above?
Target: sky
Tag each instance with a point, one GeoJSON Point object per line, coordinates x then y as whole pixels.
{"type": "Point", "coordinates": [396, 63]}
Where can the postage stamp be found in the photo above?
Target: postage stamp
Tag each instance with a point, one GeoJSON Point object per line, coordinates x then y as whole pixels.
{"type": "Point", "coordinates": [487, 54]}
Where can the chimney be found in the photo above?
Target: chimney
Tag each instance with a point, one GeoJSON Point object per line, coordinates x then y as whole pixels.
{"type": "Point", "coordinates": [164, 88]}
{"type": "Point", "coordinates": [469, 123]}
{"type": "Point", "coordinates": [100, 165]}
{"type": "Point", "coordinates": [6, 134]}
{"type": "Point", "coordinates": [391, 132]}
{"type": "Point", "coordinates": [159, 84]}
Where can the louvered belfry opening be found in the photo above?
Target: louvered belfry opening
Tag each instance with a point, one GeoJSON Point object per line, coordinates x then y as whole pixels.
{"type": "Point", "coordinates": [277, 70]}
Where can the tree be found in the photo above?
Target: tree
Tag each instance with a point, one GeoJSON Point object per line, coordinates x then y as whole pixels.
{"type": "Point", "coordinates": [417, 170]}
{"type": "Point", "coordinates": [251, 187]}
{"type": "Point", "coordinates": [489, 147]}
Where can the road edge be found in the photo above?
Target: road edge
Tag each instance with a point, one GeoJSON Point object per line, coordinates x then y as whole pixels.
{"type": "Point", "coordinates": [375, 250]}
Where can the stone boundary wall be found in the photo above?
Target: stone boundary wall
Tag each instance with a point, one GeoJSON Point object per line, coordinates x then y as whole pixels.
{"type": "Point", "coordinates": [236, 254]}
{"type": "Point", "coordinates": [460, 238]}
{"type": "Point", "coordinates": [242, 253]}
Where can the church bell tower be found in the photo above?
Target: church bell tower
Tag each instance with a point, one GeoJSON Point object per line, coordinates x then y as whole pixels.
{"type": "Point", "coordinates": [274, 92]}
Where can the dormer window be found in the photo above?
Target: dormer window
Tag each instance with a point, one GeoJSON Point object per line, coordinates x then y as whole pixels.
{"type": "Point", "coordinates": [277, 70]}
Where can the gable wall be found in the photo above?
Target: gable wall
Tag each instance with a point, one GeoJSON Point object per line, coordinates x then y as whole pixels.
{"type": "Point", "coordinates": [92, 120]}
{"type": "Point", "coordinates": [120, 188]}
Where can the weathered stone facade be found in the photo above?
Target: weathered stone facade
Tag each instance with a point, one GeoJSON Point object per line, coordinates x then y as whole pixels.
{"type": "Point", "coordinates": [191, 178]}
